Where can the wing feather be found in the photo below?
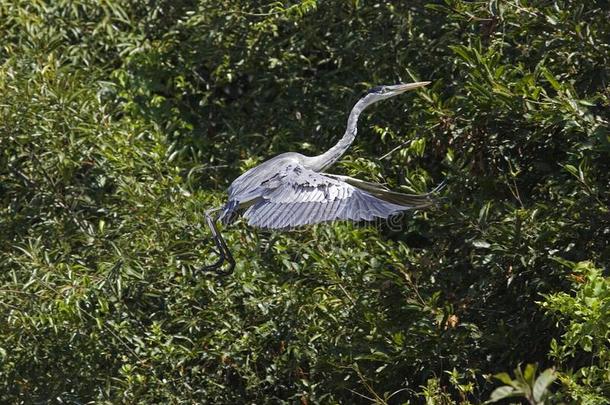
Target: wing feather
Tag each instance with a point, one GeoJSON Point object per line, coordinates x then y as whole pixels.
{"type": "Point", "coordinates": [361, 211]}
{"type": "Point", "coordinates": [314, 215]}
{"type": "Point", "coordinates": [329, 211]}
{"type": "Point", "coordinates": [285, 210]}
{"type": "Point", "coordinates": [303, 216]}
{"type": "Point", "coordinates": [355, 205]}
{"type": "Point", "coordinates": [292, 219]}
{"type": "Point", "coordinates": [257, 213]}
{"type": "Point", "coordinates": [294, 208]}
{"type": "Point", "coordinates": [296, 196]}
{"type": "Point", "coordinates": [385, 194]}
{"type": "Point", "coordinates": [276, 216]}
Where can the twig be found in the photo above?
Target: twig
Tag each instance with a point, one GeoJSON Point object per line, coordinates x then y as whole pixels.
{"type": "Point", "coordinates": [396, 148]}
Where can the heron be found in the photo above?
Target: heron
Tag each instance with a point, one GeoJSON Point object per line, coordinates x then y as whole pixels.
{"type": "Point", "coordinates": [291, 190]}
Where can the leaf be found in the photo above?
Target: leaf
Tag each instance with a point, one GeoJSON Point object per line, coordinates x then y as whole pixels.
{"type": "Point", "coordinates": [542, 383]}
{"type": "Point", "coordinates": [521, 383]}
{"type": "Point", "coordinates": [481, 244]}
{"type": "Point", "coordinates": [502, 393]}
{"type": "Point", "coordinates": [572, 170]}
{"type": "Point", "coordinates": [484, 212]}
{"type": "Point", "coordinates": [505, 378]}
{"type": "Point", "coordinates": [529, 374]}
{"type": "Point", "coordinates": [551, 79]}
{"type": "Point", "coordinates": [463, 53]}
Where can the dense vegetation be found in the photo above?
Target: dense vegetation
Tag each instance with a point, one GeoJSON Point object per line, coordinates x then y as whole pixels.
{"type": "Point", "coordinates": [122, 121]}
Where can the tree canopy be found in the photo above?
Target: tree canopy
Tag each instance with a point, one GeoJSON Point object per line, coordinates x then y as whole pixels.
{"type": "Point", "coordinates": [122, 121]}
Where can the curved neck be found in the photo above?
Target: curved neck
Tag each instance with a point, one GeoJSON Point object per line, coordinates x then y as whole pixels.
{"type": "Point", "coordinates": [327, 159]}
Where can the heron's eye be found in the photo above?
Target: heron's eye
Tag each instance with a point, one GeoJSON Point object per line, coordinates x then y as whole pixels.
{"type": "Point", "coordinates": [376, 90]}
{"type": "Point", "coordinates": [381, 90]}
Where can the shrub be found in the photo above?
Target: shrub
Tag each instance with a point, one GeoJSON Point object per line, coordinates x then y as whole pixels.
{"type": "Point", "coordinates": [121, 122]}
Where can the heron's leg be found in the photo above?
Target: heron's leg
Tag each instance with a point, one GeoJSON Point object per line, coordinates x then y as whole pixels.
{"type": "Point", "coordinates": [223, 249]}
{"type": "Point", "coordinates": [228, 257]}
{"type": "Point", "coordinates": [212, 225]}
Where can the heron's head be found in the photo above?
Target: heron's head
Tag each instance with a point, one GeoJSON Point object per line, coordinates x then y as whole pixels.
{"type": "Point", "coordinates": [382, 92]}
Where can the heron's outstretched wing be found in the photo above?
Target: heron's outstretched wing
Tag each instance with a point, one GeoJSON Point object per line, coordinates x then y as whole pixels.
{"type": "Point", "coordinates": [298, 196]}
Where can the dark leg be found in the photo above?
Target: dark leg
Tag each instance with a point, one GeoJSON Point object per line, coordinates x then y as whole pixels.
{"type": "Point", "coordinates": [223, 250]}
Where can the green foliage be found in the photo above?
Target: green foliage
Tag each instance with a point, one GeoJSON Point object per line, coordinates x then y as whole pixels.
{"type": "Point", "coordinates": [122, 121]}
{"type": "Point", "coordinates": [526, 385]}
{"type": "Point", "coordinates": [583, 347]}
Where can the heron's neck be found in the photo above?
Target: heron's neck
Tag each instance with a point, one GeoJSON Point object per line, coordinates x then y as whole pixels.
{"type": "Point", "coordinates": [327, 159]}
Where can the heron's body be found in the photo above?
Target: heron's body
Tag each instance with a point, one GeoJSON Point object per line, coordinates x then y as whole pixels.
{"type": "Point", "coordinates": [296, 195]}
{"type": "Point", "coordinates": [292, 190]}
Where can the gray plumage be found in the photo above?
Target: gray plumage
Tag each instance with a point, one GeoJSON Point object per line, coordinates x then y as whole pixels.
{"type": "Point", "coordinates": [292, 190]}
{"type": "Point", "coordinates": [296, 195]}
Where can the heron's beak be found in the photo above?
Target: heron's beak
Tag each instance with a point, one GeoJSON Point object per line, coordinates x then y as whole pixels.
{"type": "Point", "coordinates": [401, 88]}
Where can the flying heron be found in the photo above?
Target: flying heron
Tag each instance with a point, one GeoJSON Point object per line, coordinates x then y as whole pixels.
{"type": "Point", "coordinates": [290, 190]}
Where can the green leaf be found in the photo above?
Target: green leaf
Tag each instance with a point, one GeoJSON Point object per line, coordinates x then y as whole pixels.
{"type": "Point", "coordinates": [502, 393]}
{"type": "Point", "coordinates": [504, 377]}
{"type": "Point", "coordinates": [463, 53]}
{"type": "Point", "coordinates": [551, 79]}
{"type": "Point", "coordinates": [542, 383]}
{"type": "Point", "coordinates": [529, 374]}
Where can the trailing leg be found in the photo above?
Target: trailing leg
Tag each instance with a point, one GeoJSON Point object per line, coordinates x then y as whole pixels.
{"type": "Point", "coordinates": [223, 249]}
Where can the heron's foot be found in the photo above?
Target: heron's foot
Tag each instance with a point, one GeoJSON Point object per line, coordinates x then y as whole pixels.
{"type": "Point", "coordinates": [224, 257]}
